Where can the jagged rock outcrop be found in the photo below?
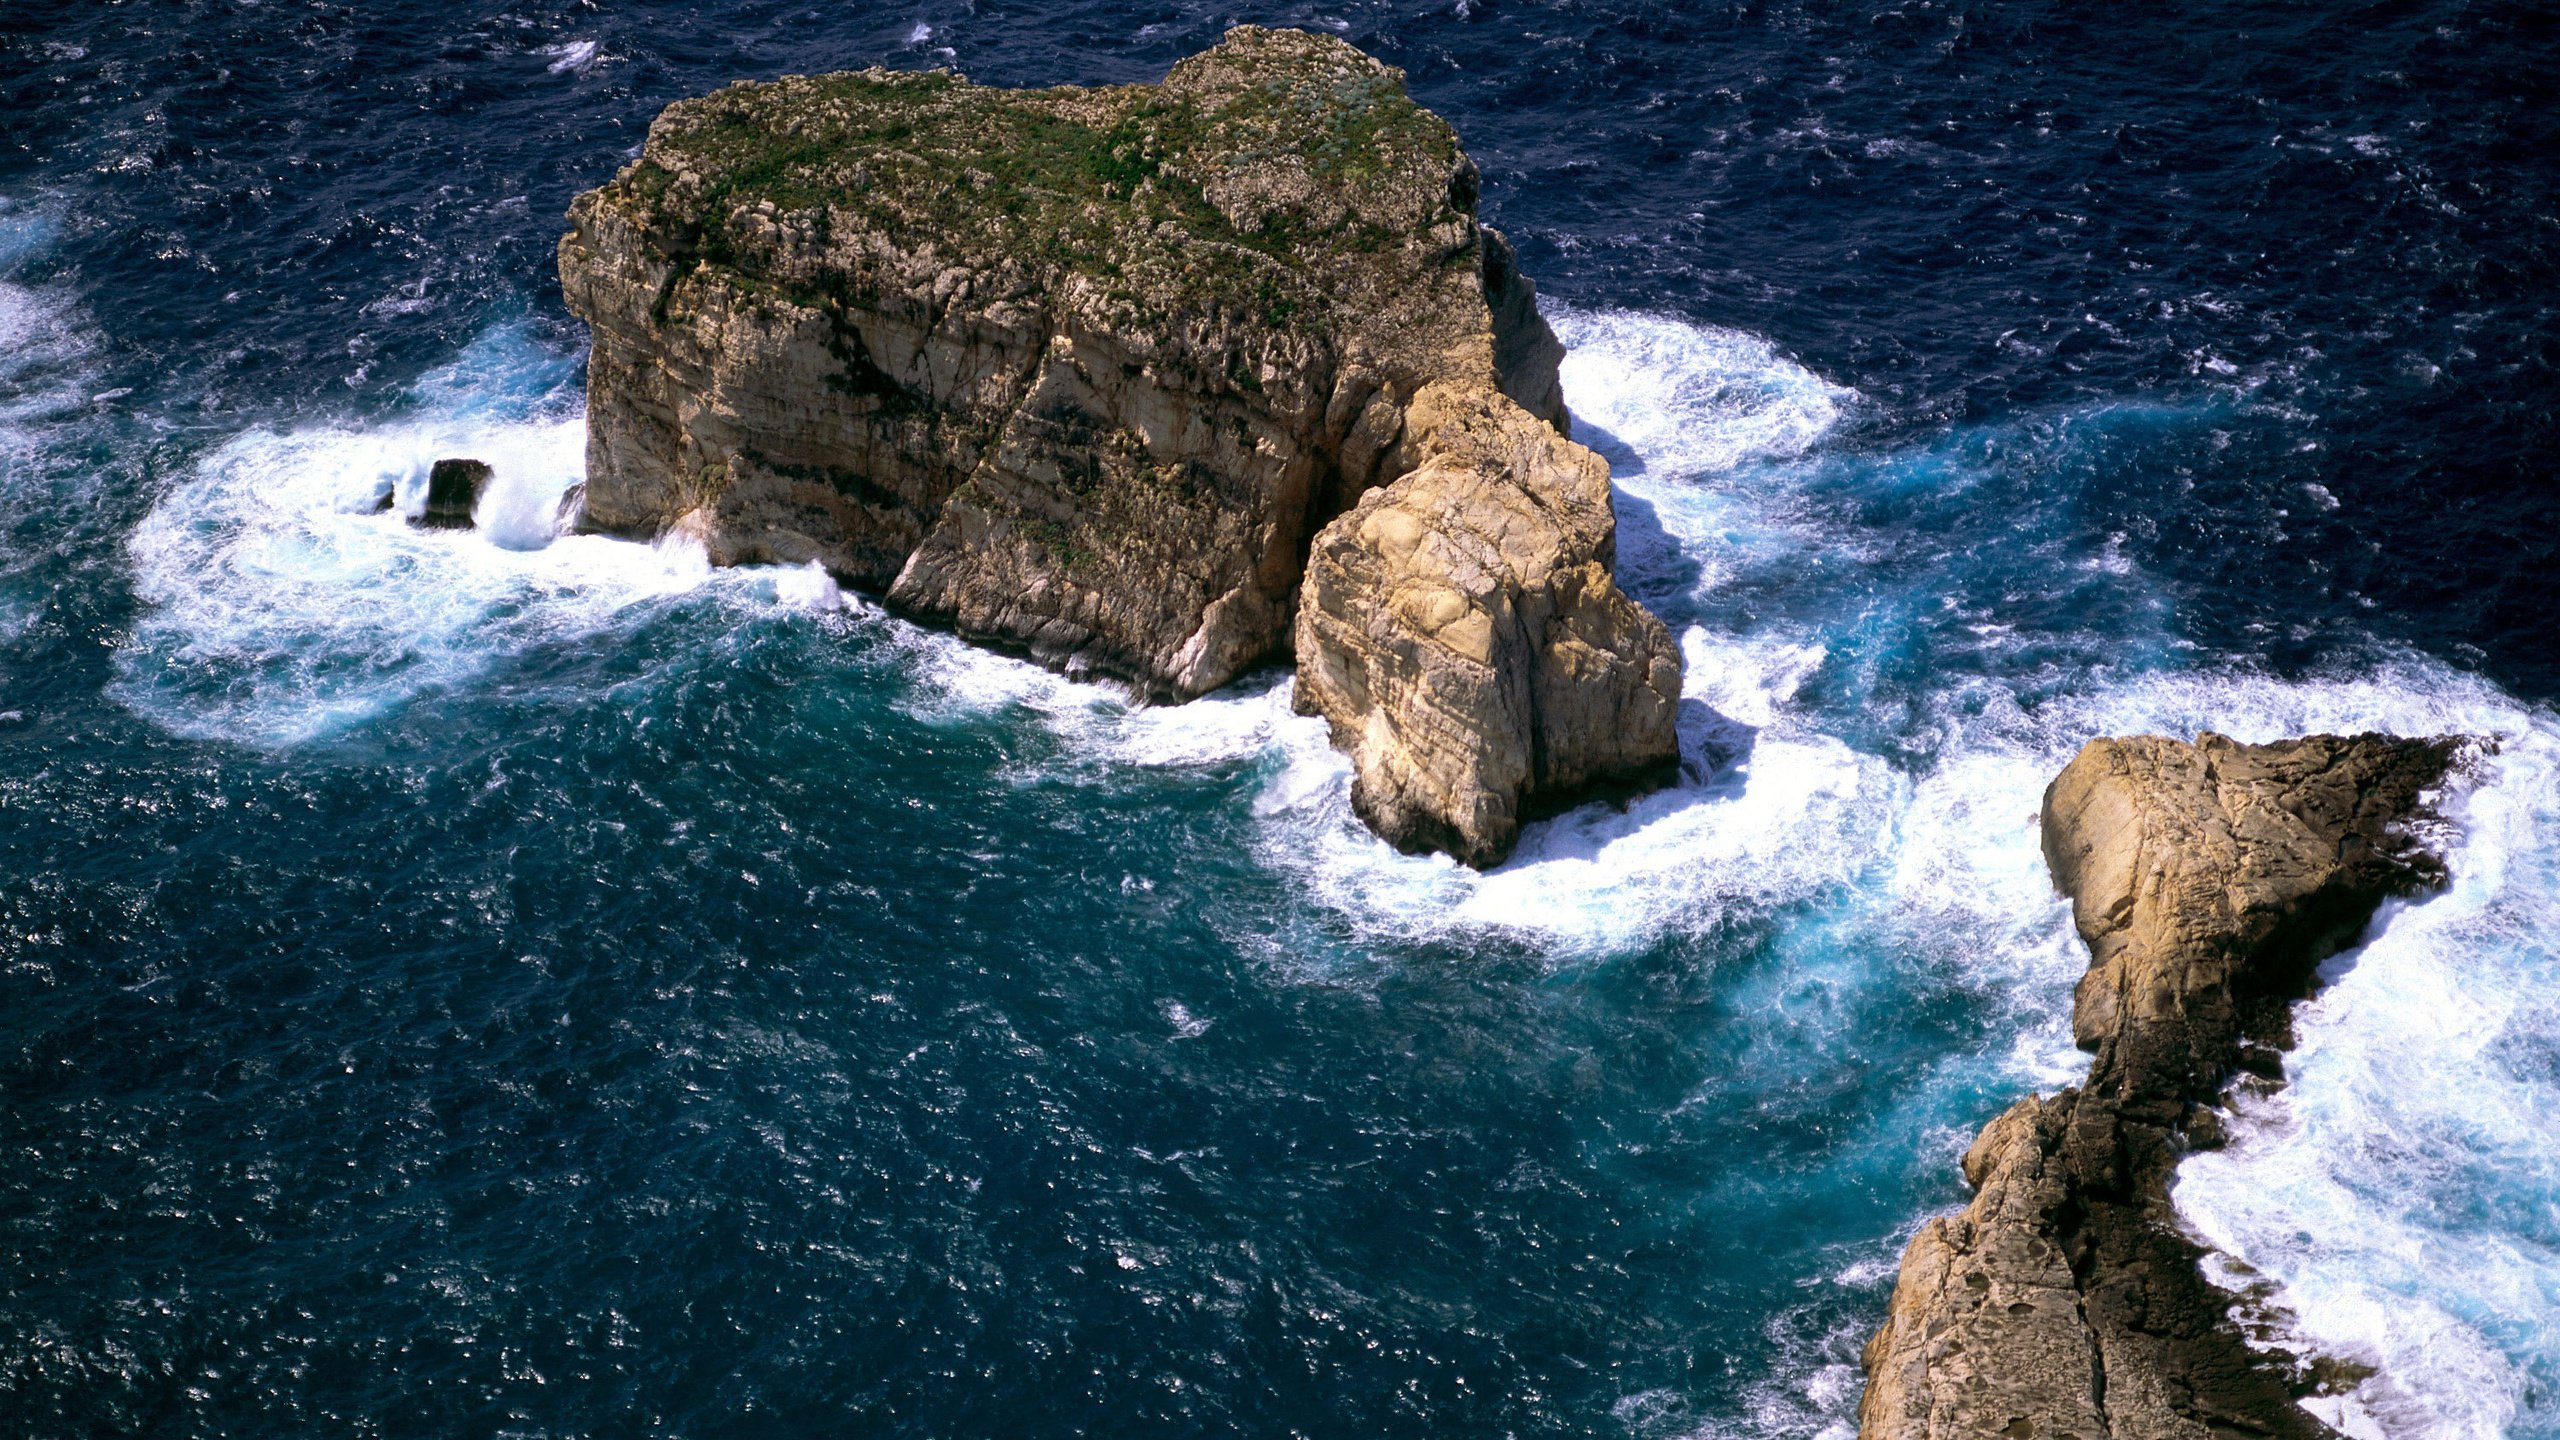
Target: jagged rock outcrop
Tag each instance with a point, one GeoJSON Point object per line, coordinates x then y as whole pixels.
{"type": "Point", "coordinates": [1083, 373]}
{"type": "Point", "coordinates": [2209, 881]}
{"type": "Point", "coordinates": [1460, 630]}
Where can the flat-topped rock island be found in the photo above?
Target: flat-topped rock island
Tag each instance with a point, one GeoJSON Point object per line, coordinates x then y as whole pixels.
{"type": "Point", "coordinates": [1157, 383]}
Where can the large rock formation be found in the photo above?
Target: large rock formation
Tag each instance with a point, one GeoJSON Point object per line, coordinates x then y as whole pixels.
{"type": "Point", "coordinates": [1083, 373]}
{"type": "Point", "coordinates": [2209, 881]}
{"type": "Point", "coordinates": [1460, 630]}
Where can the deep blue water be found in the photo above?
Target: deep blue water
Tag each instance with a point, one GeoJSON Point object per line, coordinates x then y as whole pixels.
{"type": "Point", "coordinates": [495, 985]}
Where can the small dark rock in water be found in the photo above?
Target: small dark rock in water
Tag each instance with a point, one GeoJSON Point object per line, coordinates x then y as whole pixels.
{"type": "Point", "coordinates": [453, 488]}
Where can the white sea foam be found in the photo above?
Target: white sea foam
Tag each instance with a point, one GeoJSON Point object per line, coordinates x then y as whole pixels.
{"type": "Point", "coordinates": [2398, 1203]}
{"type": "Point", "coordinates": [1689, 400]}
{"type": "Point", "coordinates": [570, 55]}
{"type": "Point", "coordinates": [1800, 812]}
{"type": "Point", "coordinates": [1701, 427]}
{"type": "Point", "coordinates": [950, 679]}
{"type": "Point", "coordinates": [284, 604]}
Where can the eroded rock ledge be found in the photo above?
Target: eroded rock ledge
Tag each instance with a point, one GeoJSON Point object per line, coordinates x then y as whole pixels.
{"type": "Point", "coordinates": [1090, 374]}
{"type": "Point", "coordinates": [2209, 881]}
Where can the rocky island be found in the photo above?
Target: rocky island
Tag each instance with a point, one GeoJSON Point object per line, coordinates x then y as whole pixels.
{"type": "Point", "coordinates": [2208, 880]}
{"type": "Point", "coordinates": [1150, 382]}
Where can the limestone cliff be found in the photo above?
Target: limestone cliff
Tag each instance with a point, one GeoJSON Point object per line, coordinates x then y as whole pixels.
{"type": "Point", "coordinates": [2209, 880]}
{"type": "Point", "coordinates": [1460, 630]}
{"type": "Point", "coordinates": [1083, 373]}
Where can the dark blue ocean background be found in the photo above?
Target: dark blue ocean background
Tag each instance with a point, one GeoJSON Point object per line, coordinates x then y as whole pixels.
{"type": "Point", "coordinates": [491, 985]}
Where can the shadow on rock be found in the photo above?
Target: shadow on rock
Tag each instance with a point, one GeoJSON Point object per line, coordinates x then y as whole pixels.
{"type": "Point", "coordinates": [1714, 747]}
{"type": "Point", "coordinates": [1622, 457]}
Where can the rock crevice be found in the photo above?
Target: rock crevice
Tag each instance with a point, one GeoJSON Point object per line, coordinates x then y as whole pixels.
{"type": "Point", "coordinates": [1103, 376]}
{"type": "Point", "coordinates": [2208, 881]}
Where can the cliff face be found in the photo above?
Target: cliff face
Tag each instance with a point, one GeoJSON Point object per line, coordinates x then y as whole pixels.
{"type": "Point", "coordinates": [1083, 372]}
{"type": "Point", "coordinates": [2209, 880]}
{"type": "Point", "coordinates": [1460, 630]}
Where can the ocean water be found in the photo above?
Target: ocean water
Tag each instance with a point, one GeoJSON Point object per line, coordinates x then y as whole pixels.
{"type": "Point", "coordinates": [522, 984]}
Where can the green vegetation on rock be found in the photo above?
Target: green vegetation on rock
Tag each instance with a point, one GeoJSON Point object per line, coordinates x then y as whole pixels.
{"type": "Point", "coordinates": [1254, 186]}
{"type": "Point", "coordinates": [1137, 381]}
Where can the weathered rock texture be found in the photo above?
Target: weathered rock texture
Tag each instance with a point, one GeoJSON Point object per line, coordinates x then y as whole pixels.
{"type": "Point", "coordinates": [1460, 629]}
{"type": "Point", "coordinates": [2209, 881]}
{"type": "Point", "coordinates": [1083, 372]}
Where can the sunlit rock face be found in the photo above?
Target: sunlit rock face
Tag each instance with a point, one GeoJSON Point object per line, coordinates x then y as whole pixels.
{"type": "Point", "coordinates": [2208, 880]}
{"type": "Point", "coordinates": [1090, 373]}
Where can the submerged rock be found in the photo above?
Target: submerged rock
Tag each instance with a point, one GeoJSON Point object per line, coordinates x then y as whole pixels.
{"type": "Point", "coordinates": [1083, 373]}
{"type": "Point", "coordinates": [2209, 881]}
{"type": "Point", "coordinates": [453, 492]}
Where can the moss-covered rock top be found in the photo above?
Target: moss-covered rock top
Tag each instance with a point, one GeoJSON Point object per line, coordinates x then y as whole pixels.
{"type": "Point", "coordinates": [1278, 178]}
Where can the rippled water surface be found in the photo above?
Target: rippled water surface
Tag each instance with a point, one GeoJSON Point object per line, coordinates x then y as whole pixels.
{"type": "Point", "coordinates": [495, 984]}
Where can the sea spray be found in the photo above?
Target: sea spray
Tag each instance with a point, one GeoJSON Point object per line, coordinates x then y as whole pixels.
{"type": "Point", "coordinates": [2392, 1205]}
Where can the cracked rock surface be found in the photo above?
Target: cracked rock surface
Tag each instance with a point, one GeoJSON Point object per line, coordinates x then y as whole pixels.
{"type": "Point", "coordinates": [1460, 629]}
{"type": "Point", "coordinates": [1083, 373]}
{"type": "Point", "coordinates": [2208, 880]}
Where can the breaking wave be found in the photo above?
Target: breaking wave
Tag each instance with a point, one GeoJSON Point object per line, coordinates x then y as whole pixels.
{"type": "Point", "coordinates": [289, 598]}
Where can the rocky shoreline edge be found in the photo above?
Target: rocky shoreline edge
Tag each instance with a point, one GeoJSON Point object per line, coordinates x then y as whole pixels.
{"type": "Point", "coordinates": [2209, 880]}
